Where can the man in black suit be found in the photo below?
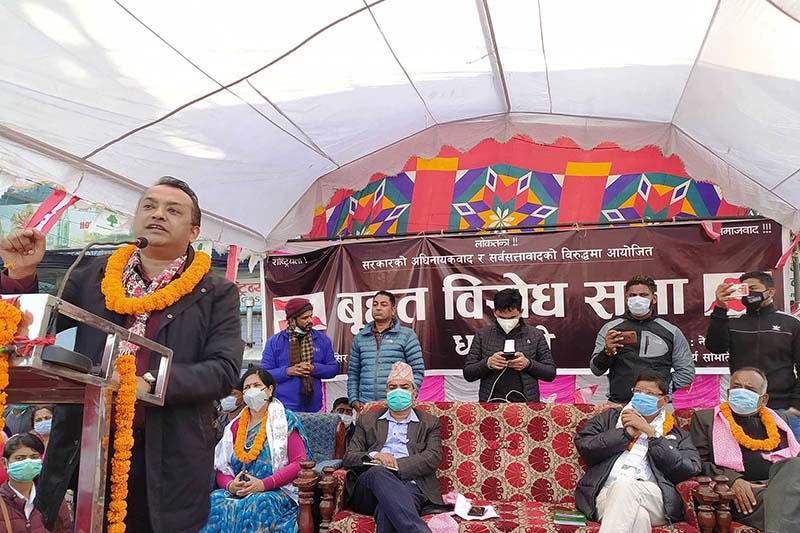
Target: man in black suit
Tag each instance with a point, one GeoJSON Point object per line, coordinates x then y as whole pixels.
{"type": "Point", "coordinates": [392, 459]}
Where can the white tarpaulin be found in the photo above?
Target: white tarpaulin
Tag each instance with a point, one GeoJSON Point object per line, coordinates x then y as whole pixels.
{"type": "Point", "coordinates": [266, 108]}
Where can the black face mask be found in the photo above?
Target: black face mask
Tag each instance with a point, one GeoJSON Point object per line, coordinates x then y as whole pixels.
{"type": "Point", "coordinates": [753, 300]}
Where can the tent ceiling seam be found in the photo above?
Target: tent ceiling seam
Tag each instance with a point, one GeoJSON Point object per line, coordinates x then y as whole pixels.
{"type": "Point", "coordinates": [696, 60]}
{"type": "Point", "coordinates": [278, 110]}
{"type": "Point", "coordinates": [544, 56]}
{"type": "Point", "coordinates": [752, 180]}
{"type": "Point", "coordinates": [399, 64]}
{"type": "Point", "coordinates": [784, 180]}
{"type": "Point", "coordinates": [232, 84]}
{"type": "Point", "coordinates": [782, 10]}
{"type": "Point", "coordinates": [183, 56]}
{"type": "Point", "coordinates": [486, 19]}
{"type": "Point", "coordinates": [82, 164]}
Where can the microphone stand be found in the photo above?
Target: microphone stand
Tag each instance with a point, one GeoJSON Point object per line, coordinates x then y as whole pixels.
{"type": "Point", "coordinates": [140, 243]}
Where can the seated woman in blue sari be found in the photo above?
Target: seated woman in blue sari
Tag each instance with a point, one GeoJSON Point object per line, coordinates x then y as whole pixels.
{"type": "Point", "coordinates": [257, 460]}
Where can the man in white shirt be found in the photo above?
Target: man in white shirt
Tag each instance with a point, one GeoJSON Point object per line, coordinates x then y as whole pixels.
{"type": "Point", "coordinates": [635, 456]}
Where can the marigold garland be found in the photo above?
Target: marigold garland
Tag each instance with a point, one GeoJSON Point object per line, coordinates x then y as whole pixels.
{"type": "Point", "coordinates": [114, 291]}
{"type": "Point", "coordinates": [10, 317]}
{"type": "Point", "coordinates": [666, 428]}
{"type": "Point", "coordinates": [248, 456]}
{"type": "Point", "coordinates": [123, 442]}
{"type": "Point", "coordinates": [773, 439]}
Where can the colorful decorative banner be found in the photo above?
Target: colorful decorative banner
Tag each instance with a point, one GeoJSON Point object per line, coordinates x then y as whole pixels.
{"type": "Point", "coordinates": [521, 183]}
{"type": "Point", "coordinates": [51, 210]}
{"type": "Point", "coordinates": [560, 390]}
{"type": "Point", "coordinates": [432, 389]}
{"type": "Point", "coordinates": [571, 281]}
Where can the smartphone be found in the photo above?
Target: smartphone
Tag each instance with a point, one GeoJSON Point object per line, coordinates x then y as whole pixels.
{"type": "Point", "coordinates": [509, 349]}
{"type": "Point", "coordinates": [476, 510]}
{"type": "Point", "coordinates": [509, 355]}
{"type": "Point", "coordinates": [739, 290]}
{"type": "Point", "coordinates": [628, 337]}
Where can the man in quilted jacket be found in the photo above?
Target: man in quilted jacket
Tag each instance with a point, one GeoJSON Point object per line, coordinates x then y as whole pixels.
{"type": "Point", "coordinates": [376, 348]}
{"type": "Point", "coordinates": [635, 456]}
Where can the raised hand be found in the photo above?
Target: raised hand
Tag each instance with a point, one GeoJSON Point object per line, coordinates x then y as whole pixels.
{"type": "Point", "coordinates": [22, 250]}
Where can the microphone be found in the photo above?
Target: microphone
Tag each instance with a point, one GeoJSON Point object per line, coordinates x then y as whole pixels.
{"type": "Point", "coordinates": [139, 242]}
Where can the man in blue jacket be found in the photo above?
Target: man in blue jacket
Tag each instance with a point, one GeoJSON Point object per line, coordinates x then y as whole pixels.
{"type": "Point", "coordinates": [299, 357]}
{"type": "Point", "coordinates": [376, 348]}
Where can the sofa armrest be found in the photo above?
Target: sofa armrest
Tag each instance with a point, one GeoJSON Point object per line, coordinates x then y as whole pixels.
{"type": "Point", "coordinates": [339, 477]}
{"type": "Point", "coordinates": [306, 482]}
{"type": "Point", "coordinates": [686, 490]}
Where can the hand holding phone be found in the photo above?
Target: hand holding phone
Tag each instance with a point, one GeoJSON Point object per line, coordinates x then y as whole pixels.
{"type": "Point", "coordinates": [739, 290]}
{"type": "Point", "coordinates": [628, 337]}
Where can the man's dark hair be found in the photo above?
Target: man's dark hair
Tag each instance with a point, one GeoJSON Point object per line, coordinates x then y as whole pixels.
{"type": "Point", "coordinates": [654, 376]}
{"type": "Point", "coordinates": [263, 375]}
{"type": "Point", "coordinates": [508, 300]}
{"type": "Point", "coordinates": [763, 277]}
{"type": "Point", "coordinates": [23, 439]}
{"type": "Point", "coordinates": [340, 401]}
{"type": "Point", "coordinates": [181, 185]}
{"type": "Point", "coordinates": [757, 371]}
{"type": "Point", "coordinates": [641, 280]}
{"type": "Point", "coordinates": [392, 297]}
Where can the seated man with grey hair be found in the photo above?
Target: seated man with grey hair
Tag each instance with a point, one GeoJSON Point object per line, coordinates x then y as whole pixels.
{"type": "Point", "coordinates": [755, 448]}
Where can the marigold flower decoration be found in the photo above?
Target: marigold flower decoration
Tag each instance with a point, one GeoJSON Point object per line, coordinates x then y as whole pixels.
{"type": "Point", "coordinates": [248, 456]}
{"type": "Point", "coordinates": [669, 424]}
{"type": "Point", "coordinates": [114, 291]}
{"type": "Point", "coordinates": [123, 442]}
{"type": "Point", "coordinates": [10, 317]}
{"type": "Point", "coordinates": [773, 439]}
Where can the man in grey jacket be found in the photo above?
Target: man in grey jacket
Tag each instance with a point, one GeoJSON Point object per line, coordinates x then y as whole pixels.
{"type": "Point", "coordinates": [392, 459]}
{"type": "Point", "coordinates": [509, 356]}
{"type": "Point", "coordinates": [635, 456]}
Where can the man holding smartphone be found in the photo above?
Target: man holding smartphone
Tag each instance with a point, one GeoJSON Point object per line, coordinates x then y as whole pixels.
{"type": "Point", "coordinates": [509, 356]}
{"type": "Point", "coordinates": [640, 339]}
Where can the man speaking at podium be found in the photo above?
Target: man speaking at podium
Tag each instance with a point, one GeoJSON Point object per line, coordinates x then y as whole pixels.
{"type": "Point", "coordinates": [173, 445]}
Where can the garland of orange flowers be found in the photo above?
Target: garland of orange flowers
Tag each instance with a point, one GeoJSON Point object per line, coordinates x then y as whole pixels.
{"type": "Point", "coordinates": [10, 317]}
{"type": "Point", "coordinates": [119, 302]}
{"type": "Point", "coordinates": [248, 456]}
{"type": "Point", "coordinates": [773, 439]}
{"type": "Point", "coordinates": [123, 442]}
{"type": "Point", "coordinates": [666, 428]}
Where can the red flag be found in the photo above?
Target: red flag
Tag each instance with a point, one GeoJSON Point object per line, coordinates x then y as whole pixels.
{"type": "Point", "coordinates": [712, 229]}
{"type": "Point", "coordinates": [51, 210]}
{"type": "Point", "coordinates": [788, 253]}
{"type": "Point", "coordinates": [233, 263]}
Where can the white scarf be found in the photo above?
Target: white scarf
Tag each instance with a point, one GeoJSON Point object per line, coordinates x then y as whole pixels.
{"type": "Point", "coordinates": [277, 438]}
{"type": "Point", "coordinates": [634, 461]}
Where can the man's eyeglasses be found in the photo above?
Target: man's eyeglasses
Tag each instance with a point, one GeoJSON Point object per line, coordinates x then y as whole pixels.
{"type": "Point", "coordinates": [653, 394]}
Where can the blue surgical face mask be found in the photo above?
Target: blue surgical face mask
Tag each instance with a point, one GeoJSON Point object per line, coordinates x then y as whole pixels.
{"type": "Point", "coordinates": [42, 427]}
{"type": "Point", "coordinates": [399, 399]}
{"type": "Point", "coordinates": [743, 401]}
{"type": "Point", "coordinates": [644, 404]}
{"type": "Point", "coordinates": [24, 470]}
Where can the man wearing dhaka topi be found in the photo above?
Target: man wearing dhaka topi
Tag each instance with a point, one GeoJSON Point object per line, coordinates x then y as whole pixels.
{"type": "Point", "coordinates": [166, 293]}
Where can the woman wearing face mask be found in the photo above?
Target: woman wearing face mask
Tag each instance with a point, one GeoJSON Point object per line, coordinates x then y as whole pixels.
{"type": "Point", "coordinates": [22, 458]}
{"type": "Point", "coordinates": [257, 461]}
{"type": "Point", "coordinates": [42, 423]}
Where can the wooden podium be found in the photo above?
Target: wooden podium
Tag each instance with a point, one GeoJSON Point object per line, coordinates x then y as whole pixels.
{"type": "Point", "coordinates": [35, 379]}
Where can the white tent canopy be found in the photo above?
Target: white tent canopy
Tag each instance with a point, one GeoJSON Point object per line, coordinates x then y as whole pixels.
{"type": "Point", "coordinates": [266, 108]}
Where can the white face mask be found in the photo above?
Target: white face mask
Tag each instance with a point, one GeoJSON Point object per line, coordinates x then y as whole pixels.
{"type": "Point", "coordinates": [346, 419]}
{"type": "Point", "coordinates": [228, 404]}
{"type": "Point", "coordinates": [507, 323]}
{"type": "Point", "coordinates": [255, 399]}
{"type": "Point", "coordinates": [639, 306]}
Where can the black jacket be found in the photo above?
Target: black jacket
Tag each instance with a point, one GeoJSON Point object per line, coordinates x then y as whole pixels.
{"type": "Point", "coordinates": [767, 339]}
{"type": "Point", "coordinates": [660, 346]}
{"type": "Point", "coordinates": [600, 443]}
{"type": "Point", "coordinates": [204, 331]}
{"type": "Point", "coordinates": [528, 340]}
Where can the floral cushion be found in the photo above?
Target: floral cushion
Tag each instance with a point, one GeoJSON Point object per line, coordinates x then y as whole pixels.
{"type": "Point", "coordinates": [522, 517]}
